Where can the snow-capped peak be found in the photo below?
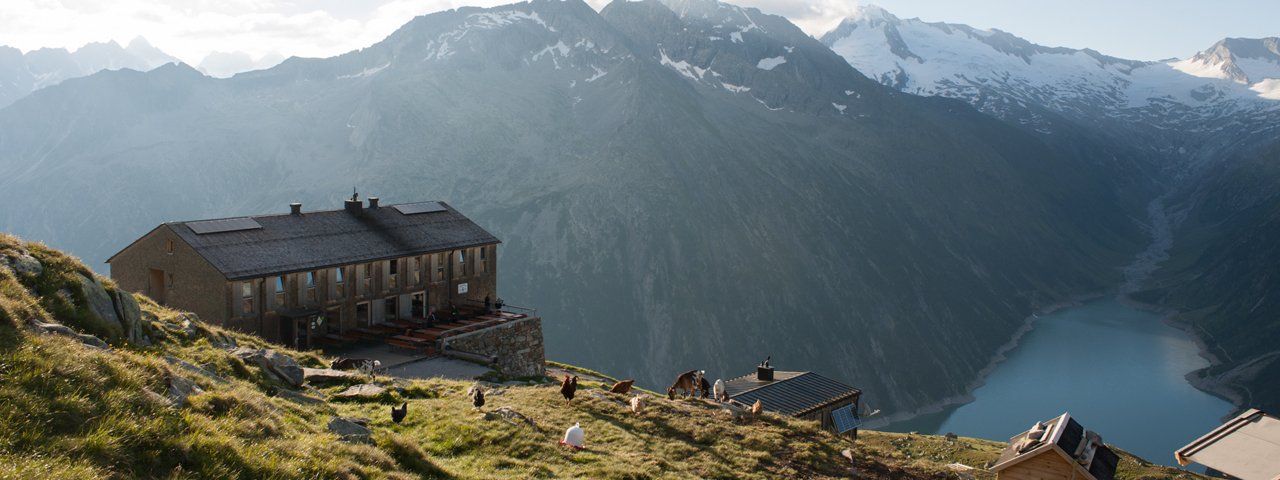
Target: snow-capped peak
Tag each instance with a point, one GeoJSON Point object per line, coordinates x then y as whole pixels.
{"type": "Point", "coordinates": [1246, 61]}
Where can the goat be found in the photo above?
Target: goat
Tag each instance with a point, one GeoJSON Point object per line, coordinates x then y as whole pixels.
{"type": "Point", "coordinates": [685, 382]}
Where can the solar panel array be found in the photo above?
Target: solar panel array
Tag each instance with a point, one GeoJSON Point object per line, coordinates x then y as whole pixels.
{"type": "Point", "coordinates": [845, 419]}
{"type": "Point", "coordinates": [224, 225]}
{"type": "Point", "coordinates": [423, 207]}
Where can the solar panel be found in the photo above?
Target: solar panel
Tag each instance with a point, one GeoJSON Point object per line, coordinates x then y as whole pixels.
{"type": "Point", "coordinates": [225, 225]}
{"type": "Point", "coordinates": [844, 419]}
{"type": "Point", "coordinates": [423, 207]}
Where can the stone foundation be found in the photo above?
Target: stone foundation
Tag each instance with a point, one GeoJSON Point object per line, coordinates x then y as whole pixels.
{"type": "Point", "coordinates": [517, 346]}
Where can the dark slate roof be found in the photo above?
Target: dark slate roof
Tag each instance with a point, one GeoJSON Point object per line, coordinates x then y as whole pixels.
{"type": "Point", "coordinates": [314, 240]}
{"type": "Point", "coordinates": [1065, 434]}
{"type": "Point", "coordinates": [790, 393]}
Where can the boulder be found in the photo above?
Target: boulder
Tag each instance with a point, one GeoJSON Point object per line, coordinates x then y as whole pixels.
{"type": "Point", "coordinates": [100, 303]}
{"type": "Point", "coordinates": [282, 366]}
{"type": "Point", "coordinates": [364, 390]}
{"type": "Point", "coordinates": [295, 397]}
{"type": "Point", "coordinates": [323, 375]}
{"type": "Point", "coordinates": [180, 388]}
{"type": "Point", "coordinates": [350, 430]}
{"type": "Point", "coordinates": [131, 319]}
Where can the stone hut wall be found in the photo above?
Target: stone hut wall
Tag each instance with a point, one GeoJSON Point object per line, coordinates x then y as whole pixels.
{"type": "Point", "coordinates": [517, 345]}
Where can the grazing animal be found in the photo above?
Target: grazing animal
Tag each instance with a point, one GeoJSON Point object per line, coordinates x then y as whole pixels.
{"type": "Point", "coordinates": [704, 388]}
{"type": "Point", "coordinates": [477, 397]}
{"type": "Point", "coordinates": [568, 387]}
{"type": "Point", "coordinates": [397, 414]}
{"type": "Point", "coordinates": [622, 387]}
{"type": "Point", "coordinates": [683, 382]}
{"type": "Point", "coordinates": [756, 408]}
{"type": "Point", "coordinates": [345, 363]}
{"type": "Point", "coordinates": [719, 391]}
{"type": "Point", "coordinates": [637, 404]}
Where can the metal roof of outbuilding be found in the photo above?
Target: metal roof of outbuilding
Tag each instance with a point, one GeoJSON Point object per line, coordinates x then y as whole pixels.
{"type": "Point", "coordinates": [789, 393]}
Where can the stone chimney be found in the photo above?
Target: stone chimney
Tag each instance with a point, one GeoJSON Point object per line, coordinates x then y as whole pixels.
{"type": "Point", "coordinates": [764, 374]}
{"type": "Point", "coordinates": [353, 205]}
{"type": "Point", "coordinates": [373, 202]}
{"type": "Point", "coordinates": [295, 208]}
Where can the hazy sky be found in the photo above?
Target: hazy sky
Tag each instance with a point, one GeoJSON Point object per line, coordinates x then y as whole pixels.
{"type": "Point", "coordinates": [190, 29]}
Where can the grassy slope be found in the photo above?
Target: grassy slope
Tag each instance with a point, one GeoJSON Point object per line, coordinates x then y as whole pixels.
{"type": "Point", "coordinates": [72, 411]}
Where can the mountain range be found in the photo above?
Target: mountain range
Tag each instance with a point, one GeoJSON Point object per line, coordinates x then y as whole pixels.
{"type": "Point", "coordinates": [23, 73]}
{"type": "Point", "coordinates": [1208, 123]}
{"type": "Point", "coordinates": [678, 184]}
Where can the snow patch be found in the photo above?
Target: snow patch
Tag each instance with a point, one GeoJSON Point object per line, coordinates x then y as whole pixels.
{"type": "Point", "coordinates": [694, 72]}
{"type": "Point", "coordinates": [1269, 88]}
{"type": "Point", "coordinates": [735, 88]}
{"type": "Point", "coordinates": [736, 37]}
{"type": "Point", "coordinates": [839, 107]}
{"type": "Point", "coordinates": [771, 63]}
{"type": "Point", "coordinates": [368, 72]}
{"type": "Point", "coordinates": [599, 73]}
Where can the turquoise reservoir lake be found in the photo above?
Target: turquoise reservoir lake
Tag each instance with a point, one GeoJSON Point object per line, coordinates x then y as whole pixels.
{"type": "Point", "coordinates": [1117, 370]}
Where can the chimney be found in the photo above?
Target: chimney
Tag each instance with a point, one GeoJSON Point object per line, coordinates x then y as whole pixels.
{"type": "Point", "coordinates": [355, 207]}
{"type": "Point", "coordinates": [764, 374]}
{"type": "Point", "coordinates": [373, 202]}
{"type": "Point", "coordinates": [295, 208]}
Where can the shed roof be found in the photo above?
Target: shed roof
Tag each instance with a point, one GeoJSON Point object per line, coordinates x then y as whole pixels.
{"type": "Point", "coordinates": [258, 246]}
{"type": "Point", "coordinates": [789, 393]}
{"type": "Point", "coordinates": [1246, 447]}
{"type": "Point", "coordinates": [1062, 436]}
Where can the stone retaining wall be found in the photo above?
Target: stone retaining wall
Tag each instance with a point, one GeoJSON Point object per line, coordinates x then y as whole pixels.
{"type": "Point", "coordinates": [517, 345]}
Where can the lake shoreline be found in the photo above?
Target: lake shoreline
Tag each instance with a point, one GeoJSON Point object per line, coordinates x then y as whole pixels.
{"type": "Point", "coordinates": [994, 361]}
{"type": "Point", "coordinates": [1200, 379]}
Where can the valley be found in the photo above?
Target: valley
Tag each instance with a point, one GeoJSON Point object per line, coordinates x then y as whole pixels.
{"type": "Point", "coordinates": [692, 184]}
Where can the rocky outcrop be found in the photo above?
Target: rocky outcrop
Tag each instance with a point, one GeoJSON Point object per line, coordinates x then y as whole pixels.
{"type": "Point", "coordinates": [351, 429]}
{"type": "Point", "coordinates": [100, 303]}
{"type": "Point", "coordinates": [183, 364]}
{"type": "Point", "coordinates": [22, 263]}
{"type": "Point", "coordinates": [131, 320]}
{"type": "Point", "coordinates": [283, 367]}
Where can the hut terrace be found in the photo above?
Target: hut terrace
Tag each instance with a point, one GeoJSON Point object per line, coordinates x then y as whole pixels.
{"type": "Point", "coordinates": [308, 278]}
{"type": "Point", "coordinates": [1246, 447]}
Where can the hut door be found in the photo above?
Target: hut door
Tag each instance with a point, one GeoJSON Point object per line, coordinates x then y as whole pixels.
{"type": "Point", "coordinates": [155, 286]}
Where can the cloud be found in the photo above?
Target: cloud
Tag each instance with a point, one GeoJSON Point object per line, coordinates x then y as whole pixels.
{"type": "Point", "coordinates": [192, 29]}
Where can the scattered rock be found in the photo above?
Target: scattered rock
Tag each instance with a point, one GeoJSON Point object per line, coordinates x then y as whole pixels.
{"type": "Point", "coordinates": [282, 366]}
{"type": "Point", "coordinates": [964, 471]}
{"type": "Point", "coordinates": [59, 329]}
{"type": "Point", "coordinates": [223, 341]}
{"type": "Point", "coordinates": [156, 398]}
{"type": "Point", "coordinates": [295, 397]}
{"type": "Point", "coordinates": [364, 390]}
{"type": "Point", "coordinates": [323, 375]}
{"type": "Point", "coordinates": [183, 364]}
{"type": "Point", "coordinates": [350, 430]}
{"type": "Point", "coordinates": [510, 415]}
{"type": "Point", "coordinates": [188, 323]}
{"type": "Point", "coordinates": [180, 388]}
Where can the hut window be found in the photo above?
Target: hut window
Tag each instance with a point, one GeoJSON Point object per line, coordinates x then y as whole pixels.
{"type": "Point", "coordinates": [392, 271]}
{"type": "Point", "coordinates": [311, 286]}
{"type": "Point", "coordinates": [168, 247]}
{"type": "Point", "coordinates": [416, 270]}
{"type": "Point", "coordinates": [279, 291]}
{"type": "Point", "coordinates": [366, 279]}
{"type": "Point", "coordinates": [337, 282]}
{"type": "Point", "coordinates": [246, 297]}
{"type": "Point", "coordinates": [484, 259]}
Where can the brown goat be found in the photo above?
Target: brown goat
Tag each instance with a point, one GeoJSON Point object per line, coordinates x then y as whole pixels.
{"type": "Point", "coordinates": [687, 382]}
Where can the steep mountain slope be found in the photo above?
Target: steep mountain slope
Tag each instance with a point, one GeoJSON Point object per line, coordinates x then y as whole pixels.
{"type": "Point", "coordinates": [673, 191]}
{"type": "Point", "coordinates": [1157, 106]}
{"type": "Point", "coordinates": [21, 74]}
{"type": "Point", "coordinates": [1223, 274]}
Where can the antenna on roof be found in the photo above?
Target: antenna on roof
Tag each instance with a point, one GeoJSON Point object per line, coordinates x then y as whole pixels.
{"type": "Point", "coordinates": [354, 195]}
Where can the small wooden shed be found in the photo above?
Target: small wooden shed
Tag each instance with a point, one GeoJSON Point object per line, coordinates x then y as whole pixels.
{"type": "Point", "coordinates": [1056, 449]}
